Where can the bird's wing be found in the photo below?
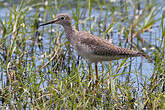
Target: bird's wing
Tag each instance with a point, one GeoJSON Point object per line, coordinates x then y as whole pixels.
{"type": "Point", "coordinates": [99, 46]}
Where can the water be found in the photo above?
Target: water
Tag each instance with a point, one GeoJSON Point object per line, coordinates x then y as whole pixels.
{"type": "Point", "coordinates": [153, 38]}
{"type": "Point", "coordinates": [96, 15]}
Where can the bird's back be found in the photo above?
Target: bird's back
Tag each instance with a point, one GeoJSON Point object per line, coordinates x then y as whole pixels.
{"type": "Point", "coordinates": [96, 49]}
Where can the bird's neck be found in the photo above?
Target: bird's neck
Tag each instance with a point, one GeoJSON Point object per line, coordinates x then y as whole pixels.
{"type": "Point", "coordinates": [69, 30]}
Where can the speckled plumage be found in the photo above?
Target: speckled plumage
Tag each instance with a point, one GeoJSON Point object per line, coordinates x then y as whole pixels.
{"type": "Point", "coordinates": [94, 49]}
{"type": "Point", "coordinates": [91, 47]}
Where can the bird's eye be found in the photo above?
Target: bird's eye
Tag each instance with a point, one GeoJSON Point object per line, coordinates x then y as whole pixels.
{"type": "Point", "coordinates": [62, 18]}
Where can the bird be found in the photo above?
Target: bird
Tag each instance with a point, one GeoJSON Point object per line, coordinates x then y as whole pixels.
{"type": "Point", "coordinates": [91, 47]}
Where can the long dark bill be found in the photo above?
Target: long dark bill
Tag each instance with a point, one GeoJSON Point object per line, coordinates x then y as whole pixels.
{"type": "Point", "coordinates": [49, 22]}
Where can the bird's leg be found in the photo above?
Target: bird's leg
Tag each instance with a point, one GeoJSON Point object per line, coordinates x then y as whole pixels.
{"type": "Point", "coordinates": [89, 66]}
{"type": "Point", "coordinates": [97, 78]}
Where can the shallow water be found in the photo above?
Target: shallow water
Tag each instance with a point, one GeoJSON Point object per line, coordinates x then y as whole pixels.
{"type": "Point", "coordinates": [91, 24]}
{"type": "Point", "coordinates": [150, 37]}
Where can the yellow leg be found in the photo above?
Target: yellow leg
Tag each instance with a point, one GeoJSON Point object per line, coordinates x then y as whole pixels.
{"type": "Point", "coordinates": [89, 66]}
{"type": "Point", "coordinates": [97, 78]}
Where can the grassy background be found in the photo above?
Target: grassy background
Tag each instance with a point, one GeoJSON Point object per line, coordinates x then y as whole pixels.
{"type": "Point", "coordinates": [40, 70]}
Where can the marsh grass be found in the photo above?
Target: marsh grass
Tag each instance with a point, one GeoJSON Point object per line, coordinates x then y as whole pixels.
{"type": "Point", "coordinates": [40, 70]}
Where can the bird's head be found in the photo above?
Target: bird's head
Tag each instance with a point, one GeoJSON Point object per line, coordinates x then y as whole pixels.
{"type": "Point", "coordinates": [63, 19]}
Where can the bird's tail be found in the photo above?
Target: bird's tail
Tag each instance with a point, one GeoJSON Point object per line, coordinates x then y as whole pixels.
{"type": "Point", "coordinates": [144, 55]}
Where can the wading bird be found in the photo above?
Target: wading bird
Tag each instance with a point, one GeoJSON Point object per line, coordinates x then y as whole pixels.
{"type": "Point", "coordinates": [92, 48]}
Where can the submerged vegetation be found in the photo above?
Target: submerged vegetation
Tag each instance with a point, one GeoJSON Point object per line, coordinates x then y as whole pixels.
{"type": "Point", "coordinates": [40, 70]}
